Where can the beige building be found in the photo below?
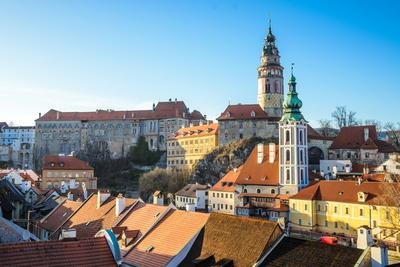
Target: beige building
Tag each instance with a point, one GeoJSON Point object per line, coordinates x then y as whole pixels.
{"type": "Point", "coordinates": [189, 145]}
{"type": "Point", "coordinates": [67, 171]}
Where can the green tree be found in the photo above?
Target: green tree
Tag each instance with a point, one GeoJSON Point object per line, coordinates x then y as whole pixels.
{"type": "Point", "coordinates": [142, 155]}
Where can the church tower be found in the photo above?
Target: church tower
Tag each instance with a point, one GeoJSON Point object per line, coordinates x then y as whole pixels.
{"type": "Point", "coordinates": [293, 144]}
{"type": "Point", "coordinates": [270, 78]}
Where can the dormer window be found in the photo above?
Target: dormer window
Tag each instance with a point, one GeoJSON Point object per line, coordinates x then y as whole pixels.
{"type": "Point", "coordinates": [52, 164]}
{"type": "Point", "coordinates": [228, 114]}
{"type": "Point", "coordinates": [362, 196]}
{"type": "Point", "coordinates": [253, 114]}
{"type": "Point", "coordinates": [61, 164]}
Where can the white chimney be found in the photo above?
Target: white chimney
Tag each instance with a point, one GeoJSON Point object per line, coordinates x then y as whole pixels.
{"type": "Point", "coordinates": [379, 256]}
{"type": "Point", "coordinates": [102, 197]}
{"type": "Point", "coordinates": [366, 134]}
{"type": "Point", "coordinates": [364, 237]}
{"type": "Point", "coordinates": [271, 152]}
{"type": "Point", "coordinates": [348, 169]}
{"type": "Point", "coordinates": [68, 233]}
{"type": "Point", "coordinates": [260, 153]}
{"type": "Point", "coordinates": [120, 205]}
{"type": "Point", "coordinates": [58, 115]}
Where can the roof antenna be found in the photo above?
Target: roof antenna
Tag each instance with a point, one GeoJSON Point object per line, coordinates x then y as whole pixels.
{"type": "Point", "coordinates": [292, 68]}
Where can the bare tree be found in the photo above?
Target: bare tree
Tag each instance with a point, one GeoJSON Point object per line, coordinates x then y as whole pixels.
{"type": "Point", "coordinates": [344, 117]}
{"type": "Point", "coordinates": [325, 126]}
{"type": "Point", "coordinates": [393, 131]}
{"type": "Point", "coordinates": [376, 123]}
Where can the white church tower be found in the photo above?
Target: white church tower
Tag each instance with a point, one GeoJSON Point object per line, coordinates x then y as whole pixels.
{"type": "Point", "coordinates": [293, 144]}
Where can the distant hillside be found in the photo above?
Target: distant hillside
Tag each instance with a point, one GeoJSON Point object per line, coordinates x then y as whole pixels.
{"type": "Point", "coordinates": [223, 159]}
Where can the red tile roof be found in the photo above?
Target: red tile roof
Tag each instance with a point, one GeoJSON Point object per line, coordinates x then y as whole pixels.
{"type": "Point", "coordinates": [189, 190]}
{"type": "Point", "coordinates": [167, 239]}
{"type": "Point", "coordinates": [55, 162]}
{"type": "Point", "coordinates": [58, 216]}
{"type": "Point", "coordinates": [265, 173]}
{"type": "Point", "coordinates": [313, 134]}
{"type": "Point", "coordinates": [346, 192]}
{"type": "Point", "coordinates": [88, 219]}
{"type": "Point", "coordinates": [243, 112]}
{"type": "Point", "coordinates": [353, 138]}
{"type": "Point", "coordinates": [201, 130]}
{"type": "Point", "coordinates": [170, 109]}
{"type": "Point", "coordinates": [227, 183]}
{"type": "Point", "coordinates": [85, 252]}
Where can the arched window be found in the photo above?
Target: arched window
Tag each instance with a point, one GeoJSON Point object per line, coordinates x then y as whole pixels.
{"type": "Point", "coordinates": [276, 89]}
{"type": "Point", "coordinates": [288, 176]}
{"type": "Point", "coordinates": [272, 191]}
{"type": "Point", "coordinates": [245, 190]}
{"type": "Point", "coordinates": [151, 143]}
{"type": "Point", "coordinates": [301, 137]}
{"type": "Point", "coordinates": [267, 87]}
{"type": "Point", "coordinates": [301, 176]}
{"type": "Point", "coordinates": [258, 191]}
{"type": "Point", "coordinates": [301, 156]}
{"type": "Point", "coordinates": [287, 136]}
{"type": "Point", "coordinates": [287, 155]}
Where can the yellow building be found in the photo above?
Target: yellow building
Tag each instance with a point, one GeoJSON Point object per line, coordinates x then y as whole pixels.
{"type": "Point", "coordinates": [191, 144]}
{"type": "Point", "coordinates": [67, 170]}
{"type": "Point", "coordinates": [341, 207]}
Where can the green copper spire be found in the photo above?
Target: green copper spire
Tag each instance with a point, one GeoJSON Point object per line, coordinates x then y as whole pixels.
{"type": "Point", "coordinates": [292, 104]}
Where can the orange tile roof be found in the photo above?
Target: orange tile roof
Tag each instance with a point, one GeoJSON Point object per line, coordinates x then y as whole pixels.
{"type": "Point", "coordinates": [55, 162]}
{"type": "Point", "coordinates": [353, 138]}
{"type": "Point", "coordinates": [201, 130]}
{"type": "Point", "coordinates": [170, 109]}
{"type": "Point", "coordinates": [167, 239]}
{"type": "Point", "coordinates": [85, 252]}
{"type": "Point", "coordinates": [89, 219]}
{"type": "Point", "coordinates": [243, 112]}
{"type": "Point", "coordinates": [227, 183]}
{"type": "Point", "coordinates": [346, 192]}
{"type": "Point", "coordinates": [141, 218]}
{"type": "Point", "coordinates": [58, 216]}
{"type": "Point", "coordinates": [265, 173]}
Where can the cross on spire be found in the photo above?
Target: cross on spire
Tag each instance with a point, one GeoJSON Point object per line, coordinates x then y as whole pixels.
{"type": "Point", "coordinates": [292, 65]}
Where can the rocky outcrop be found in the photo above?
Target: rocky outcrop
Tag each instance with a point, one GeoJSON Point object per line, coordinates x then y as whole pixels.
{"type": "Point", "coordinates": [223, 159]}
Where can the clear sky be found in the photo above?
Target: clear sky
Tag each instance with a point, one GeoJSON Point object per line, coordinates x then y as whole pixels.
{"type": "Point", "coordinates": [80, 55]}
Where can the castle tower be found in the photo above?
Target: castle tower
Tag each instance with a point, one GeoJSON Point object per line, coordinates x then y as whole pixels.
{"type": "Point", "coordinates": [270, 78]}
{"type": "Point", "coordinates": [293, 144]}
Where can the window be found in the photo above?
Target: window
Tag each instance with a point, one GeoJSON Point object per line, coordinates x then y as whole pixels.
{"type": "Point", "coordinates": [336, 225]}
{"type": "Point", "coordinates": [366, 155]}
{"type": "Point", "coordinates": [287, 176]}
{"type": "Point", "coordinates": [305, 207]}
{"type": "Point", "coordinates": [387, 215]}
{"type": "Point", "coordinates": [361, 212]}
{"type": "Point", "coordinates": [287, 138]}
{"type": "Point", "coordinates": [287, 155]}
{"type": "Point", "coordinates": [272, 191]}
{"type": "Point", "coordinates": [294, 206]}
{"type": "Point", "coordinates": [347, 211]}
{"type": "Point", "coordinates": [231, 207]}
{"type": "Point", "coordinates": [326, 223]}
{"type": "Point", "coordinates": [374, 223]}
{"type": "Point", "coordinates": [319, 207]}
{"type": "Point", "coordinates": [213, 194]}
{"type": "Point", "coordinates": [258, 191]}
{"type": "Point", "coordinates": [301, 137]}
{"type": "Point", "coordinates": [335, 209]}
{"type": "Point", "coordinates": [299, 221]}
{"type": "Point", "coordinates": [226, 195]}
{"type": "Point", "coordinates": [347, 226]}
{"type": "Point", "coordinates": [245, 190]}
{"type": "Point", "coordinates": [231, 195]}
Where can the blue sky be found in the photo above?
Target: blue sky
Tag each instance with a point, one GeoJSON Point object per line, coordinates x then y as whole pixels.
{"type": "Point", "coordinates": [80, 55]}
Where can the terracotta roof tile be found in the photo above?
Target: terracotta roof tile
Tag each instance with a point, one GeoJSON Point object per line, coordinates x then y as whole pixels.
{"type": "Point", "coordinates": [85, 252]}
{"type": "Point", "coordinates": [171, 109]}
{"type": "Point", "coordinates": [59, 215]}
{"type": "Point", "coordinates": [201, 130]}
{"type": "Point", "coordinates": [265, 173]}
{"type": "Point", "coordinates": [89, 219]}
{"type": "Point", "coordinates": [346, 192]}
{"type": "Point", "coordinates": [353, 138]}
{"type": "Point", "coordinates": [243, 112]}
{"type": "Point", "coordinates": [227, 183]}
{"type": "Point", "coordinates": [190, 190]}
{"type": "Point", "coordinates": [55, 162]}
{"type": "Point", "coordinates": [167, 239]}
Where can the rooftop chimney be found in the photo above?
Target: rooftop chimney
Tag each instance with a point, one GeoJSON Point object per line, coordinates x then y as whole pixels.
{"type": "Point", "coordinates": [102, 197]}
{"type": "Point", "coordinates": [366, 134]}
{"type": "Point", "coordinates": [379, 256]}
{"type": "Point", "coordinates": [58, 115]}
{"type": "Point", "coordinates": [120, 205]}
{"type": "Point", "coordinates": [40, 114]}
{"type": "Point", "coordinates": [271, 152]}
{"type": "Point", "coordinates": [364, 237]}
{"type": "Point", "coordinates": [260, 153]}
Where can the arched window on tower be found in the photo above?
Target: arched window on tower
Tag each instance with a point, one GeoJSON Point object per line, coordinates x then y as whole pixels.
{"type": "Point", "coordinates": [287, 155]}
{"type": "Point", "coordinates": [301, 156]}
{"type": "Point", "coordinates": [276, 89]}
{"type": "Point", "coordinates": [301, 137]}
{"type": "Point", "coordinates": [287, 176]}
{"type": "Point", "coordinates": [287, 136]}
{"type": "Point", "coordinates": [267, 87]}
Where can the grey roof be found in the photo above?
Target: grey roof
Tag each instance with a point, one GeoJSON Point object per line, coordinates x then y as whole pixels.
{"type": "Point", "coordinates": [12, 233]}
{"type": "Point", "coordinates": [190, 190]}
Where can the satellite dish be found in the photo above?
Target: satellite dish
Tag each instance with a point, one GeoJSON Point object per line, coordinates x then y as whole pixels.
{"type": "Point", "coordinates": [26, 235]}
